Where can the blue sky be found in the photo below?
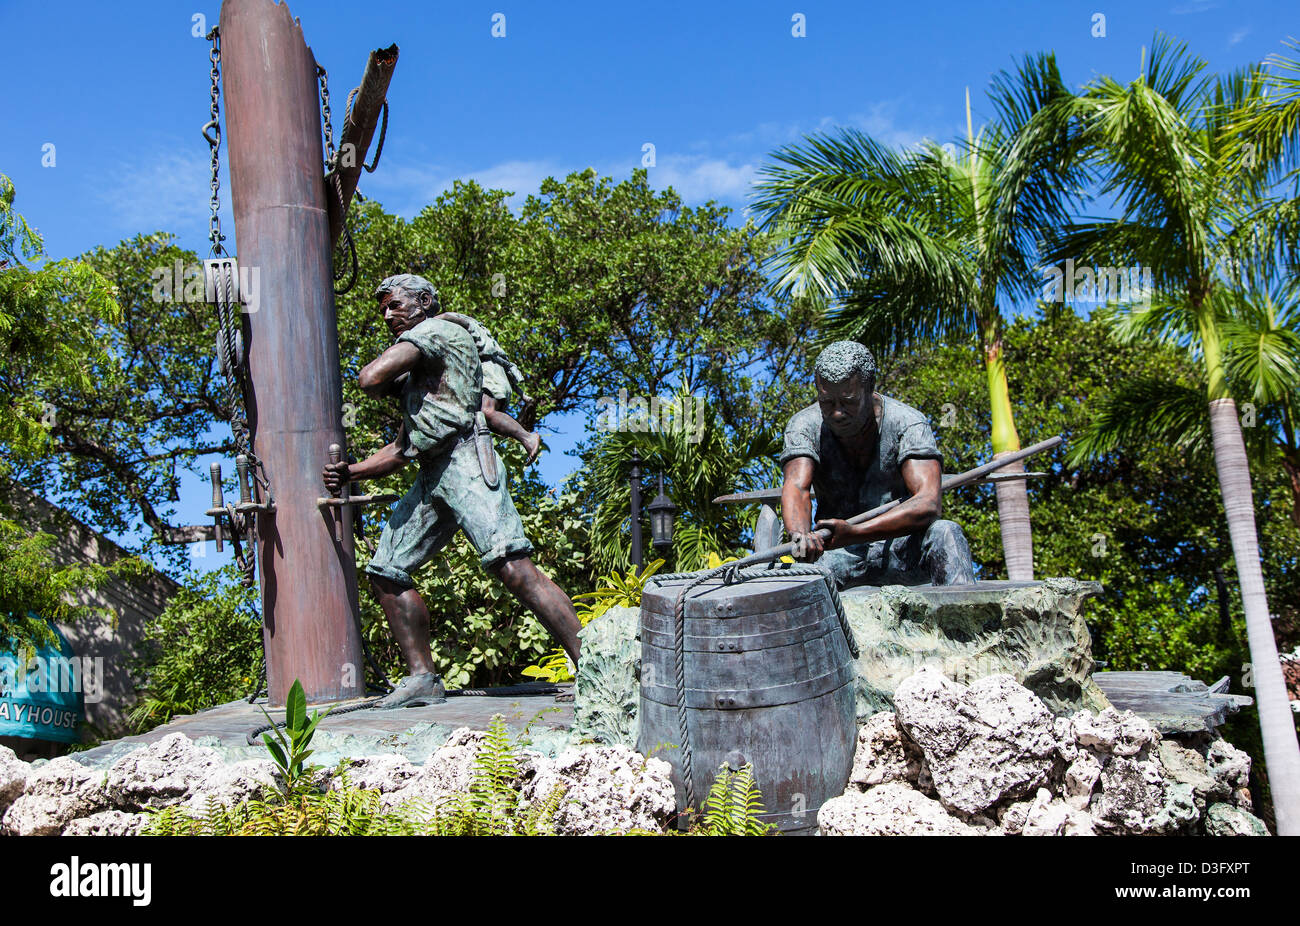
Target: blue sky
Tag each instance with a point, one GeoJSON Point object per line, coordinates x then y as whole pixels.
{"type": "Point", "coordinates": [121, 91]}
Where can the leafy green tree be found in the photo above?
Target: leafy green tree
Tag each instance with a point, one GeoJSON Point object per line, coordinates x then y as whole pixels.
{"type": "Point", "coordinates": [1166, 144]}
{"type": "Point", "coordinates": [124, 436]}
{"type": "Point", "coordinates": [48, 320]}
{"type": "Point", "coordinates": [929, 244]}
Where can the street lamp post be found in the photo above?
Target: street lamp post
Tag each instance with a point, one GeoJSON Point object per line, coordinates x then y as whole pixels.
{"type": "Point", "coordinates": [661, 520]}
{"type": "Point", "coordinates": [637, 560]}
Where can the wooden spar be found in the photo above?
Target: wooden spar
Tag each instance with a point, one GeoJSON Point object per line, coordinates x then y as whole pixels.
{"type": "Point", "coordinates": [359, 130]}
{"type": "Point", "coordinates": [309, 588]}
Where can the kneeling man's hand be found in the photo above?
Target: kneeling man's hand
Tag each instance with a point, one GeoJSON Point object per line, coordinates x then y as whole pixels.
{"type": "Point", "coordinates": [808, 546]}
{"type": "Point", "coordinates": [841, 532]}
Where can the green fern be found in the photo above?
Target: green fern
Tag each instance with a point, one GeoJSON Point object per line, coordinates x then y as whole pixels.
{"type": "Point", "coordinates": [733, 806]}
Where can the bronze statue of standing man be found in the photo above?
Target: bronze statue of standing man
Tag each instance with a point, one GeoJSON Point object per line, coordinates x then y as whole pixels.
{"type": "Point", "coordinates": [434, 369]}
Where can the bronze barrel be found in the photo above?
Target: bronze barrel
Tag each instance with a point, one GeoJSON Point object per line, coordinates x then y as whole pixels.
{"type": "Point", "coordinates": [768, 681]}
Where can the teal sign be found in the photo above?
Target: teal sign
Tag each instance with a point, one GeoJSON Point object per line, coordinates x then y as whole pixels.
{"type": "Point", "coordinates": [43, 697]}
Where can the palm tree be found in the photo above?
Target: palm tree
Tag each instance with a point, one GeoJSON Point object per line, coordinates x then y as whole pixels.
{"type": "Point", "coordinates": [934, 244]}
{"type": "Point", "coordinates": [1262, 355]}
{"type": "Point", "coordinates": [1184, 195]}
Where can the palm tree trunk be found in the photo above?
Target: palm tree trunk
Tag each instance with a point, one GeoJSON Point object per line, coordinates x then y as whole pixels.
{"type": "Point", "coordinates": [1013, 497]}
{"type": "Point", "coordinates": [1276, 722]}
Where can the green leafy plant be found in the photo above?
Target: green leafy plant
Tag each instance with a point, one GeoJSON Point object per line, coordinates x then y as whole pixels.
{"type": "Point", "coordinates": [204, 649]}
{"type": "Point", "coordinates": [290, 749]}
{"type": "Point", "coordinates": [733, 806]}
{"type": "Point", "coordinates": [344, 811]}
{"type": "Point", "coordinates": [490, 806]}
{"type": "Point", "coordinates": [616, 590]}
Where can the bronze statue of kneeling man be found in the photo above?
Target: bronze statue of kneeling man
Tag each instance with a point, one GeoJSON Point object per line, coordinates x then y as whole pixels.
{"type": "Point", "coordinates": [435, 370]}
{"type": "Point", "coordinates": [860, 449]}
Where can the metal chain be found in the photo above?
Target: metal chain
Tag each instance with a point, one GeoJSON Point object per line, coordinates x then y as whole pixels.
{"type": "Point", "coordinates": [323, 76]}
{"type": "Point", "coordinates": [729, 575]}
{"type": "Point", "coordinates": [229, 316]}
{"type": "Point", "coordinates": [214, 141]}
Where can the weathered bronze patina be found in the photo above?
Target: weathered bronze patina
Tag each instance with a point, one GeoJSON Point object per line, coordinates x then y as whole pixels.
{"type": "Point", "coordinates": [434, 370]}
{"type": "Point", "coordinates": [860, 450]}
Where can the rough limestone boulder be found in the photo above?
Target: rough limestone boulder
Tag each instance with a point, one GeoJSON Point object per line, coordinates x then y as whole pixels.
{"type": "Point", "coordinates": [445, 773]}
{"type": "Point", "coordinates": [607, 789]}
{"type": "Point", "coordinates": [54, 795]}
{"type": "Point", "coordinates": [108, 823]}
{"type": "Point", "coordinates": [984, 744]}
{"type": "Point", "coordinates": [13, 777]}
{"type": "Point", "coordinates": [229, 785]}
{"type": "Point", "coordinates": [1227, 820]}
{"type": "Point", "coordinates": [1051, 816]}
{"type": "Point", "coordinates": [991, 759]}
{"type": "Point", "coordinates": [1033, 632]}
{"type": "Point", "coordinates": [883, 754]}
{"type": "Point", "coordinates": [378, 773]}
{"type": "Point", "coordinates": [889, 810]}
{"type": "Point", "coordinates": [160, 774]}
{"type": "Point", "coordinates": [607, 691]}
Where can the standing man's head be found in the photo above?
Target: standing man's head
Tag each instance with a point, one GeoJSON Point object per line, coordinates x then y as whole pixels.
{"type": "Point", "coordinates": [406, 300]}
{"type": "Point", "coordinates": [846, 379]}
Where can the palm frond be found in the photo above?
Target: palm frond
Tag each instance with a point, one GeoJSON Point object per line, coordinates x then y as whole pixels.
{"type": "Point", "coordinates": [1144, 413]}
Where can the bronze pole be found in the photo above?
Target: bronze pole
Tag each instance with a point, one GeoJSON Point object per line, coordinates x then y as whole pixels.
{"type": "Point", "coordinates": [308, 576]}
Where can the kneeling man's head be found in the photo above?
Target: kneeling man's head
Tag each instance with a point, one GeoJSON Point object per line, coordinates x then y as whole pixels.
{"type": "Point", "coordinates": [846, 378]}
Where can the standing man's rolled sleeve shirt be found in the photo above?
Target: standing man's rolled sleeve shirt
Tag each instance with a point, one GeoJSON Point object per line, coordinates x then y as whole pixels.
{"type": "Point", "coordinates": [843, 488]}
{"type": "Point", "coordinates": [444, 390]}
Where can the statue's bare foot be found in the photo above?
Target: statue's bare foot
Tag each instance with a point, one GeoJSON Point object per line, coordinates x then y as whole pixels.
{"type": "Point", "coordinates": [533, 444]}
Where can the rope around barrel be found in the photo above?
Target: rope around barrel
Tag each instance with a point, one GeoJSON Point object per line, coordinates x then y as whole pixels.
{"type": "Point", "coordinates": [729, 575]}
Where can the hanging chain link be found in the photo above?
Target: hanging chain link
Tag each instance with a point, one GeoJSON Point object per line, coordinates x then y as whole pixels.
{"type": "Point", "coordinates": [323, 76]}
{"type": "Point", "coordinates": [230, 318]}
{"type": "Point", "coordinates": [214, 141]}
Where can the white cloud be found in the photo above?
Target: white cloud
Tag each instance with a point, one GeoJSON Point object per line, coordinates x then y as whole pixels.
{"type": "Point", "coordinates": [698, 179]}
{"type": "Point", "coordinates": [1238, 35]}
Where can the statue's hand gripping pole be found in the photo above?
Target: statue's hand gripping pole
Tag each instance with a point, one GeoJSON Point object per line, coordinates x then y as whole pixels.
{"type": "Point", "coordinates": [343, 498]}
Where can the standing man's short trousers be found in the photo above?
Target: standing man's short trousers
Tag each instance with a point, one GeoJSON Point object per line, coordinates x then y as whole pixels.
{"type": "Point", "coordinates": [449, 495]}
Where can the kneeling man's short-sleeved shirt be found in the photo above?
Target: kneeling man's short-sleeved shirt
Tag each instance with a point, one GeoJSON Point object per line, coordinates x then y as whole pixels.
{"type": "Point", "coordinates": [444, 390]}
{"type": "Point", "coordinates": [843, 488]}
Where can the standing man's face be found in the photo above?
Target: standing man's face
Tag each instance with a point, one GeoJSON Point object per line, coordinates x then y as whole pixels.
{"type": "Point", "coordinates": [403, 311]}
{"type": "Point", "coordinates": [846, 407]}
